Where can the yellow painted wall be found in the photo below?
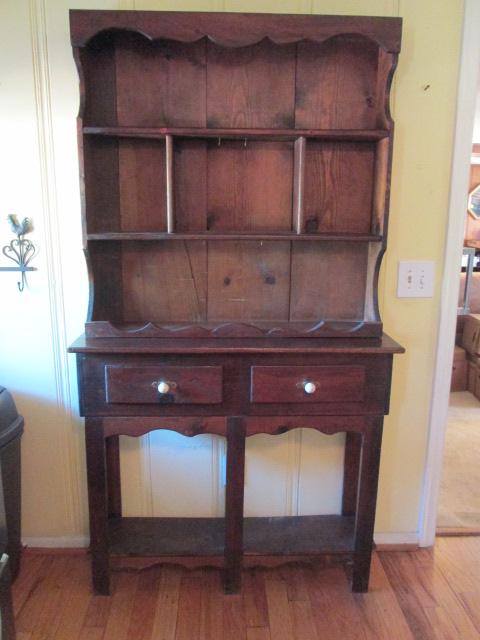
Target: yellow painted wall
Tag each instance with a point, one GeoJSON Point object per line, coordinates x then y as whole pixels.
{"type": "Point", "coordinates": [423, 107]}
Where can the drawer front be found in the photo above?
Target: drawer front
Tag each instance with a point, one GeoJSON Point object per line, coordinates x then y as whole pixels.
{"type": "Point", "coordinates": [163, 384]}
{"type": "Point", "coordinates": [312, 384]}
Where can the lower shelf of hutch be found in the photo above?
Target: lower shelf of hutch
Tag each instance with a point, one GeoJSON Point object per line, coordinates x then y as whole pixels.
{"type": "Point", "coordinates": [286, 536]}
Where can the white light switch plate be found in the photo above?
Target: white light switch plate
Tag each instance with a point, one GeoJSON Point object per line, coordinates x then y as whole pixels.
{"type": "Point", "coordinates": [415, 279]}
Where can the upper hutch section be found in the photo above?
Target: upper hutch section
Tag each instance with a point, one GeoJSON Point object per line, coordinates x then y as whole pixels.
{"type": "Point", "coordinates": [235, 170]}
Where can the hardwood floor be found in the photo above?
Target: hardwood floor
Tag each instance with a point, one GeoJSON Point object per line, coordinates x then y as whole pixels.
{"type": "Point", "coordinates": [414, 595]}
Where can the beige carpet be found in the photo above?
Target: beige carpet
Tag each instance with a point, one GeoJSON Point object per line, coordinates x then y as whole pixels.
{"type": "Point", "coordinates": [459, 504]}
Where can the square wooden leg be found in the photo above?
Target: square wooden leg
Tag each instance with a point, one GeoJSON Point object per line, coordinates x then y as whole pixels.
{"type": "Point", "coordinates": [113, 477]}
{"type": "Point", "coordinates": [97, 504]}
{"type": "Point", "coordinates": [366, 503]}
{"type": "Point", "coordinates": [234, 503]}
{"type": "Point", "coordinates": [351, 466]}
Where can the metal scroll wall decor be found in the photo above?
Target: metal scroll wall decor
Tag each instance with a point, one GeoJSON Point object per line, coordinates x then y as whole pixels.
{"type": "Point", "coordinates": [20, 250]}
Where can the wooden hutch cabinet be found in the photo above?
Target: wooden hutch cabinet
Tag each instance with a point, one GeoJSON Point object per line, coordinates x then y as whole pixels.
{"type": "Point", "coordinates": [235, 175]}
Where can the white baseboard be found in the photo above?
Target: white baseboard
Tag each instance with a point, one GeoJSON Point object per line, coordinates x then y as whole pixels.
{"type": "Point", "coordinates": [407, 537]}
{"type": "Point", "coordinates": [60, 542]}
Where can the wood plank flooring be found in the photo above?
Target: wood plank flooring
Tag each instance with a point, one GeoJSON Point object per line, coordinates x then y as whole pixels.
{"type": "Point", "coordinates": [428, 594]}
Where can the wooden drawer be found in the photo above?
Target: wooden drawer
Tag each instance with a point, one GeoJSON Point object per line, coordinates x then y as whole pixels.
{"type": "Point", "coordinates": [307, 384]}
{"type": "Point", "coordinates": [181, 385]}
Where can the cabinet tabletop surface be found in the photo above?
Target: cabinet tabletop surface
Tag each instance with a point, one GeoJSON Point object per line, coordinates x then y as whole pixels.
{"type": "Point", "coordinates": [382, 345]}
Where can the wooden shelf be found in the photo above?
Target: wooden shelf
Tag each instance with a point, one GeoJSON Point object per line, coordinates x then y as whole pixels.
{"type": "Point", "coordinates": [367, 135]}
{"type": "Point", "coordinates": [298, 535]}
{"type": "Point", "coordinates": [143, 236]}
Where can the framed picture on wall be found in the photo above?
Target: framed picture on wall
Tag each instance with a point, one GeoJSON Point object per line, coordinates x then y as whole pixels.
{"type": "Point", "coordinates": [474, 203]}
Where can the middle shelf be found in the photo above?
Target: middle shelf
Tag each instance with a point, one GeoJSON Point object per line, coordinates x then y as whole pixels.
{"type": "Point", "coordinates": [235, 188]}
{"type": "Point", "coordinates": [150, 236]}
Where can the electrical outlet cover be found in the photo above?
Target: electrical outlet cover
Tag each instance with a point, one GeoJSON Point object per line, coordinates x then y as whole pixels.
{"type": "Point", "coordinates": [416, 279]}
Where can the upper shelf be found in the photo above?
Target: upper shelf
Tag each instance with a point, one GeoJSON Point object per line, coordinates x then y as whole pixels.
{"type": "Point", "coordinates": [367, 135]}
{"type": "Point", "coordinates": [150, 235]}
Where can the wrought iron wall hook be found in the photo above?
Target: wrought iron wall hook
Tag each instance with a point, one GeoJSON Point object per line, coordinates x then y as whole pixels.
{"type": "Point", "coordinates": [20, 250]}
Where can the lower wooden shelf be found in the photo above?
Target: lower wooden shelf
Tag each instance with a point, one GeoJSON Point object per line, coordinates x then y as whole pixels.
{"type": "Point", "coordinates": [292, 535]}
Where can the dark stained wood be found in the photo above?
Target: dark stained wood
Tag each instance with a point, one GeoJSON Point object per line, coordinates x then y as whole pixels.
{"type": "Point", "coordinates": [196, 425]}
{"type": "Point", "coordinates": [190, 187]}
{"type": "Point", "coordinates": [97, 73]}
{"type": "Point", "coordinates": [235, 235]}
{"type": "Point", "coordinates": [251, 86]}
{"type": "Point", "coordinates": [183, 268]}
{"type": "Point", "coordinates": [101, 185]}
{"type": "Point", "coordinates": [381, 193]}
{"type": "Point", "coordinates": [369, 399]}
{"type": "Point", "coordinates": [242, 133]}
{"type": "Point", "coordinates": [351, 467]}
{"type": "Point", "coordinates": [286, 384]}
{"type": "Point", "coordinates": [387, 63]}
{"type": "Point", "coordinates": [97, 504]}
{"type": "Point", "coordinates": [142, 184]}
{"type": "Point", "coordinates": [338, 187]}
{"type": "Point", "coordinates": [248, 281]}
{"type": "Point", "coordinates": [169, 184]}
{"type": "Point", "coordinates": [310, 82]}
{"type": "Point", "coordinates": [327, 424]}
{"type": "Point", "coordinates": [315, 270]}
{"type": "Point", "coordinates": [383, 345]}
{"type": "Point", "coordinates": [188, 385]}
{"type": "Point", "coordinates": [104, 261]}
{"type": "Point", "coordinates": [299, 186]}
{"type": "Point", "coordinates": [233, 29]}
{"type": "Point", "coordinates": [235, 177]}
{"type": "Point", "coordinates": [187, 426]}
{"type": "Point", "coordinates": [366, 504]}
{"type": "Point", "coordinates": [170, 90]}
{"type": "Point", "coordinates": [250, 186]}
{"type": "Point", "coordinates": [235, 329]}
{"type": "Point", "coordinates": [177, 537]}
{"type": "Point", "coordinates": [234, 493]}
{"type": "Point", "coordinates": [336, 84]}
{"type": "Point", "coordinates": [112, 457]}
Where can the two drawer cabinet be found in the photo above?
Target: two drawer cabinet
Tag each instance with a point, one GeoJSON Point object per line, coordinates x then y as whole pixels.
{"type": "Point", "coordinates": [234, 392]}
{"type": "Point", "coordinates": [235, 178]}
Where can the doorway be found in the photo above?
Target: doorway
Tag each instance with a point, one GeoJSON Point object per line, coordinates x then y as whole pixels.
{"type": "Point", "coordinates": [465, 117]}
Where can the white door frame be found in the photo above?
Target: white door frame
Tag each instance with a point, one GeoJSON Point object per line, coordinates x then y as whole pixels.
{"type": "Point", "coordinates": [465, 113]}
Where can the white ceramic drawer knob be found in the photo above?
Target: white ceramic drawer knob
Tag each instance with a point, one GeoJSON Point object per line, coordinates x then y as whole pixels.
{"type": "Point", "coordinates": [309, 387]}
{"type": "Point", "coordinates": [163, 387]}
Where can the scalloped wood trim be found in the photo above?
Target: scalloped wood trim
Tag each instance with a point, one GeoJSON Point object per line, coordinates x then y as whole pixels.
{"type": "Point", "coordinates": [193, 425]}
{"type": "Point", "coordinates": [248, 29]}
{"type": "Point", "coordinates": [323, 328]}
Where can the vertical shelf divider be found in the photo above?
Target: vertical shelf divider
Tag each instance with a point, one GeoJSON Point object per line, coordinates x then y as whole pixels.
{"type": "Point", "coordinates": [380, 185]}
{"type": "Point", "coordinates": [169, 183]}
{"type": "Point", "coordinates": [299, 184]}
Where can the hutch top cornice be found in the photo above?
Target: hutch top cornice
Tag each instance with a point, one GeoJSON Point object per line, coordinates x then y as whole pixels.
{"type": "Point", "coordinates": [234, 29]}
